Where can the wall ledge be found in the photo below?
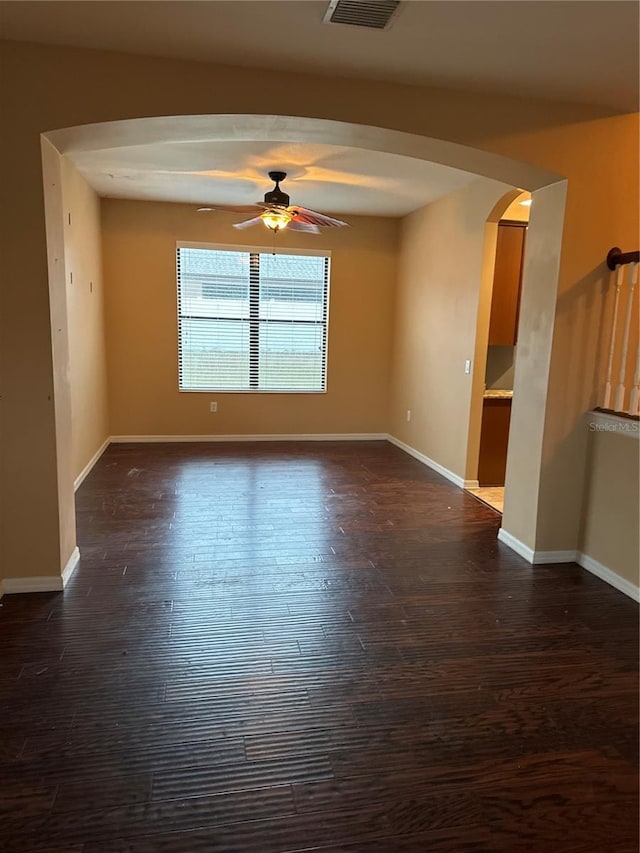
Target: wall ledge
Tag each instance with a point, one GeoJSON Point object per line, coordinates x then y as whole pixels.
{"type": "Point", "coordinates": [599, 420]}
{"type": "Point", "coordinates": [48, 583]}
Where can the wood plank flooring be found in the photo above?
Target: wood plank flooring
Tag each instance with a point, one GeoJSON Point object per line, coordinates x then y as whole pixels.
{"type": "Point", "coordinates": [293, 647]}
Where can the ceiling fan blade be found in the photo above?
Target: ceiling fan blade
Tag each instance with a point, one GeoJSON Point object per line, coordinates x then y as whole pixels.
{"type": "Point", "coordinates": [247, 223]}
{"type": "Point", "coordinates": [303, 226]}
{"type": "Point", "coordinates": [232, 208]}
{"type": "Point", "coordinates": [312, 217]}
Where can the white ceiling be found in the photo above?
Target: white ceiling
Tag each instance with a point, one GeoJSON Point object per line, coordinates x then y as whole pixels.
{"type": "Point", "coordinates": [575, 50]}
{"type": "Point", "coordinates": [330, 178]}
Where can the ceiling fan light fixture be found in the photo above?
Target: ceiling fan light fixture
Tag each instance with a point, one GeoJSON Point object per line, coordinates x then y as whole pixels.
{"type": "Point", "coordinates": [276, 220]}
{"type": "Point", "coordinates": [276, 212]}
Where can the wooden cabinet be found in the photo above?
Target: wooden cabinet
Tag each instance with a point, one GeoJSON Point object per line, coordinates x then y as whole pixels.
{"type": "Point", "coordinates": [505, 299]}
{"type": "Point", "coordinates": [494, 439]}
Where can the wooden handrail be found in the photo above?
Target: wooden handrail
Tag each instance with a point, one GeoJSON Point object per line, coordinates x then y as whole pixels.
{"type": "Point", "coordinates": [616, 257]}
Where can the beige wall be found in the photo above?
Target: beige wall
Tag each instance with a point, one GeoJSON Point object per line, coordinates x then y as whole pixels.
{"type": "Point", "coordinates": [62, 529]}
{"type": "Point", "coordinates": [44, 88]}
{"type": "Point", "coordinates": [528, 471]}
{"type": "Point", "coordinates": [87, 354]}
{"type": "Point", "coordinates": [601, 212]}
{"type": "Point", "coordinates": [612, 508]}
{"type": "Point", "coordinates": [441, 262]}
{"type": "Point", "coordinates": [140, 281]}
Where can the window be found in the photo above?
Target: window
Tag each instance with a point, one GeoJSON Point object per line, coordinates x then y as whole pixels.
{"type": "Point", "coordinates": [251, 320]}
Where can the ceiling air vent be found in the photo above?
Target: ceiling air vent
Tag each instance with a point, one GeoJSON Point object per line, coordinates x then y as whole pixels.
{"type": "Point", "coordinates": [375, 14]}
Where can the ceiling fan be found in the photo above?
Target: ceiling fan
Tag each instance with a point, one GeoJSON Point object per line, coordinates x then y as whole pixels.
{"type": "Point", "coordinates": [276, 213]}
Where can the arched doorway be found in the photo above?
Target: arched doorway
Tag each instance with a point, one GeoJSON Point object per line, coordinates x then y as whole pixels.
{"type": "Point", "coordinates": [548, 188]}
{"type": "Point", "coordinates": [496, 347]}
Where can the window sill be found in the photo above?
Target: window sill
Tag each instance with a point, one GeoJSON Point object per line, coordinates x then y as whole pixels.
{"type": "Point", "coordinates": [248, 391]}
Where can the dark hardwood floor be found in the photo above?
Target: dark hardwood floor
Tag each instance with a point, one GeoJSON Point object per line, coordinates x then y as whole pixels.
{"type": "Point", "coordinates": [288, 647]}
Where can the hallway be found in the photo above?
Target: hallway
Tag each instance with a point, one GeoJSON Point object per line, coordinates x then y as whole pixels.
{"type": "Point", "coordinates": [289, 646]}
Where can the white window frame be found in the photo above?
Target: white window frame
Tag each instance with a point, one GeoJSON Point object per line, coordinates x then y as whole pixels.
{"type": "Point", "coordinates": [233, 247]}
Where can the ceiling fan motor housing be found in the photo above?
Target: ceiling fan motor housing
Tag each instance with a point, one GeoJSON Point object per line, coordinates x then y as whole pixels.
{"type": "Point", "coordinates": [276, 196]}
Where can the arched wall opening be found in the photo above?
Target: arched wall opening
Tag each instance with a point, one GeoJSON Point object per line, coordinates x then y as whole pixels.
{"type": "Point", "coordinates": [508, 204]}
{"type": "Point", "coordinates": [537, 312]}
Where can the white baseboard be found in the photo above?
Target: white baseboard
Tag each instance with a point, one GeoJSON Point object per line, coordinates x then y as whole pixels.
{"type": "Point", "coordinates": [171, 439]}
{"type": "Point", "coordinates": [537, 558]}
{"type": "Point", "coordinates": [72, 565]}
{"type": "Point", "coordinates": [49, 583]}
{"type": "Point", "coordinates": [516, 545]}
{"type": "Point", "coordinates": [541, 558]}
{"type": "Point", "coordinates": [87, 468]}
{"type": "Point", "coordinates": [430, 463]}
{"type": "Point", "coordinates": [608, 576]}
{"type": "Point", "coordinates": [601, 571]}
{"type": "Point", "coordinates": [471, 484]}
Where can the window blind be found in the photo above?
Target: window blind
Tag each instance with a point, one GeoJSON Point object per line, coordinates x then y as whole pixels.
{"type": "Point", "coordinates": [251, 320]}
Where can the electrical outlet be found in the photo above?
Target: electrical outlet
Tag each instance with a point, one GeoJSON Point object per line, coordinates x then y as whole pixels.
{"type": "Point", "coordinates": [467, 366]}
{"type": "Point", "coordinates": [408, 415]}
{"type": "Point", "coordinates": [213, 407]}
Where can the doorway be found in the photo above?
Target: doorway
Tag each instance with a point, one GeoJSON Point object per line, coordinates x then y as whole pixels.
{"type": "Point", "coordinates": [501, 348]}
{"type": "Point", "coordinates": [550, 192]}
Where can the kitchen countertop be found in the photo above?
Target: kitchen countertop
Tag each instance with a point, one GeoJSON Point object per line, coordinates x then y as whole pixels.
{"type": "Point", "coordinates": [497, 394]}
